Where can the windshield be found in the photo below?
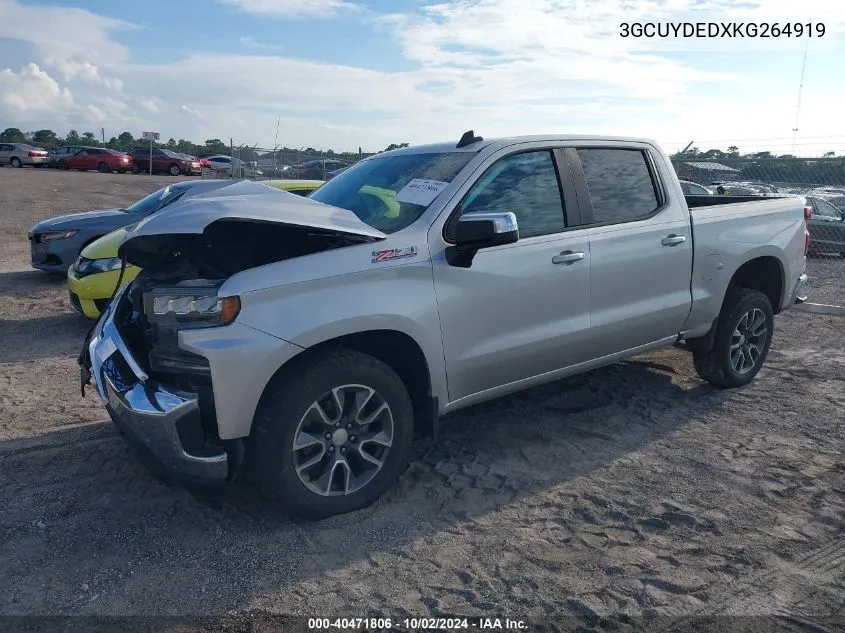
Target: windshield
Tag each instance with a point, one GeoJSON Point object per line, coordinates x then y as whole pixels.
{"type": "Point", "coordinates": [381, 191]}
{"type": "Point", "coordinates": [157, 200]}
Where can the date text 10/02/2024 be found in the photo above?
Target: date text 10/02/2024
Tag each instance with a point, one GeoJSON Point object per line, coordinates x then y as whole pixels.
{"type": "Point", "coordinates": [417, 624]}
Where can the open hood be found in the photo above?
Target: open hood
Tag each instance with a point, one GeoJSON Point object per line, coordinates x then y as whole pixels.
{"type": "Point", "coordinates": [241, 218]}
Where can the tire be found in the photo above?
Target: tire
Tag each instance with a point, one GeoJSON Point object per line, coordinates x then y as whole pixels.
{"type": "Point", "coordinates": [136, 169]}
{"type": "Point", "coordinates": [288, 407]}
{"type": "Point", "coordinates": [16, 162]}
{"type": "Point", "coordinates": [718, 365]}
{"type": "Point", "coordinates": [174, 170]}
{"type": "Point", "coordinates": [62, 165]}
{"type": "Point", "coordinates": [103, 168]}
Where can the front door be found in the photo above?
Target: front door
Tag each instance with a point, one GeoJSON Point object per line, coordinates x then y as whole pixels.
{"type": "Point", "coordinates": [520, 309]}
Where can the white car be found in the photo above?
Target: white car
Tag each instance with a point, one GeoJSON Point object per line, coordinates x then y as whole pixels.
{"type": "Point", "coordinates": [223, 165]}
{"type": "Point", "coordinates": [694, 189]}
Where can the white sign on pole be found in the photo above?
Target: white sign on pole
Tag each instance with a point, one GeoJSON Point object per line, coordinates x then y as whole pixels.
{"type": "Point", "coordinates": [150, 136]}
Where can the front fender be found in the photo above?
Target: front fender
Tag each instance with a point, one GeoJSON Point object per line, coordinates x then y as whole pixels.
{"type": "Point", "coordinates": [399, 298]}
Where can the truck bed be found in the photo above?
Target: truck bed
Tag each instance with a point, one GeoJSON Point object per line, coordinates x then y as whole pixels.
{"type": "Point", "coordinates": [716, 200]}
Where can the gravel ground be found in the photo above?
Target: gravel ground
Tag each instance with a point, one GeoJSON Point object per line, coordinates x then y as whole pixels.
{"type": "Point", "coordinates": [635, 489]}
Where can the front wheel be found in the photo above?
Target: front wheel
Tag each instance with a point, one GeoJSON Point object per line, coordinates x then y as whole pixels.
{"type": "Point", "coordinates": [174, 170]}
{"type": "Point", "coordinates": [331, 434]}
{"type": "Point", "coordinates": [62, 165]}
{"type": "Point", "coordinates": [743, 336]}
{"type": "Point", "coordinates": [136, 169]}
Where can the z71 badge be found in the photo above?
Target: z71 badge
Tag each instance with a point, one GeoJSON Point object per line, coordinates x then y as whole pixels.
{"type": "Point", "coordinates": [394, 253]}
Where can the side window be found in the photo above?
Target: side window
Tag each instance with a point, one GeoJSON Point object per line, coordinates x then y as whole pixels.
{"type": "Point", "coordinates": [83, 152]}
{"type": "Point", "coordinates": [525, 184]}
{"type": "Point", "coordinates": [825, 209]}
{"type": "Point", "coordinates": [5, 148]}
{"type": "Point", "coordinates": [620, 184]}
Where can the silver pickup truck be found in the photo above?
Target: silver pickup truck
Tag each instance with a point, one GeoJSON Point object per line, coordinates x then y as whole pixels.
{"type": "Point", "coordinates": [309, 339]}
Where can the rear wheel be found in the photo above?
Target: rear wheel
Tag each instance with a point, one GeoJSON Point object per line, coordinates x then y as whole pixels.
{"type": "Point", "coordinates": [16, 162]}
{"type": "Point", "coordinates": [136, 169]}
{"type": "Point", "coordinates": [331, 434]}
{"type": "Point", "coordinates": [174, 170]}
{"type": "Point", "coordinates": [103, 168]}
{"type": "Point", "coordinates": [743, 336]}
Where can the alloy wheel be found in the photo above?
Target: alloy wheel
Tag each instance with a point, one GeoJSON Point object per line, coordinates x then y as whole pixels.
{"type": "Point", "coordinates": [748, 340]}
{"type": "Point", "coordinates": [342, 440]}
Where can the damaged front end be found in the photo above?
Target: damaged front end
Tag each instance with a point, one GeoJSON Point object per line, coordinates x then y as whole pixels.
{"type": "Point", "coordinates": [166, 337]}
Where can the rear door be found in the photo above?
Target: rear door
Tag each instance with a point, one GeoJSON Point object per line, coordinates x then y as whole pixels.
{"type": "Point", "coordinates": [640, 247]}
{"type": "Point", "coordinates": [160, 161]}
{"type": "Point", "coordinates": [521, 310]}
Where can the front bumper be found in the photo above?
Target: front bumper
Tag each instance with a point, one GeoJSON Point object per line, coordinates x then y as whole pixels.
{"type": "Point", "coordinates": [148, 414]}
{"type": "Point", "coordinates": [164, 421]}
{"type": "Point", "coordinates": [90, 294]}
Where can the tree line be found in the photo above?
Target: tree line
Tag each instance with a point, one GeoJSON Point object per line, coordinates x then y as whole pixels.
{"type": "Point", "coordinates": [125, 141]}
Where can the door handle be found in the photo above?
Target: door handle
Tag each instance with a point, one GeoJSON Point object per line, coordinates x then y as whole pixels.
{"type": "Point", "coordinates": [567, 257]}
{"type": "Point", "coordinates": [673, 240]}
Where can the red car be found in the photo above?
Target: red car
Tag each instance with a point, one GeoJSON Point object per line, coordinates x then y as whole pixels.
{"type": "Point", "coordinates": [103, 160]}
{"type": "Point", "coordinates": [164, 161]}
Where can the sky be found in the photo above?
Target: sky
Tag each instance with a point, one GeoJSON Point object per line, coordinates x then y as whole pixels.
{"type": "Point", "coordinates": [344, 74]}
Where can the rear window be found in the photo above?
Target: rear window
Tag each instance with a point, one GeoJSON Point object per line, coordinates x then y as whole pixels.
{"type": "Point", "coordinates": [620, 184]}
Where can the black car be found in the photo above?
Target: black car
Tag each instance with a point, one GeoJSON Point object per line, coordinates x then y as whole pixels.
{"type": "Point", "coordinates": [317, 169]}
{"type": "Point", "coordinates": [827, 227]}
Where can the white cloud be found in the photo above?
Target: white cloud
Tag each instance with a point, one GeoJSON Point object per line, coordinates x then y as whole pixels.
{"type": "Point", "coordinates": [32, 91]}
{"type": "Point", "coordinates": [250, 43]}
{"type": "Point", "coordinates": [151, 105]}
{"type": "Point", "coordinates": [188, 110]}
{"type": "Point", "coordinates": [290, 8]}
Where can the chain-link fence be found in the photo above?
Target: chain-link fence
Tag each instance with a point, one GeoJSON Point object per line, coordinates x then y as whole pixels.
{"type": "Point", "coordinates": [260, 163]}
{"type": "Point", "coordinates": [820, 180]}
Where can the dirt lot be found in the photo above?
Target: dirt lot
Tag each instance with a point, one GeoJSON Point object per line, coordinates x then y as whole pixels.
{"type": "Point", "coordinates": [634, 489]}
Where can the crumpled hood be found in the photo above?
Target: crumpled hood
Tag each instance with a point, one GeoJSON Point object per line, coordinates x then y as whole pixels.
{"type": "Point", "coordinates": [248, 200]}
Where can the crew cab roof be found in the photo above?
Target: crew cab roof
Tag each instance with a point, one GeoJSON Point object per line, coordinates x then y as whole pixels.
{"type": "Point", "coordinates": [498, 143]}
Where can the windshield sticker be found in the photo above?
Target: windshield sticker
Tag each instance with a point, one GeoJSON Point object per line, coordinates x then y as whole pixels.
{"type": "Point", "coordinates": [421, 192]}
{"type": "Point", "coordinates": [390, 254]}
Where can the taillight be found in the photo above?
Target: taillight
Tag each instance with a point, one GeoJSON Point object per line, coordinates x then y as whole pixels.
{"type": "Point", "coordinates": [808, 215]}
{"type": "Point", "coordinates": [37, 153]}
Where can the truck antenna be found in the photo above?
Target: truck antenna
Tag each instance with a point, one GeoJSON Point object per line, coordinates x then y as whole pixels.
{"type": "Point", "coordinates": [468, 139]}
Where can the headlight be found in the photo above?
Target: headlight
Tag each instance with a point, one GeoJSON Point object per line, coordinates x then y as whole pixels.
{"type": "Point", "coordinates": [49, 236]}
{"type": "Point", "coordinates": [84, 266]}
{"type": "Point", "coordinates": [190, 306]}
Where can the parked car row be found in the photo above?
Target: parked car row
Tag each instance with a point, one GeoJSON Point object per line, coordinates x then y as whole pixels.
{"type": "Point", "coordinates": [85, 245]}
{"type": "Point", "coordinates": [86, 158]}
